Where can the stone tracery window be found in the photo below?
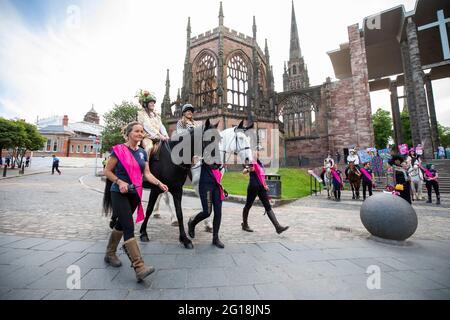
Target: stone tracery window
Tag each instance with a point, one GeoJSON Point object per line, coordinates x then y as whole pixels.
{"type": "Point", "coordinates": [237, 82]}
{"type": "Point", "coordinates": [299, 116]}
{"type": "Point", "coordinates": [206, 81]}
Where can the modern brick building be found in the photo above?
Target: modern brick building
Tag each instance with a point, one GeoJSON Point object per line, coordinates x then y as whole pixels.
{"type": "Point", "coordinates": [71, 139]}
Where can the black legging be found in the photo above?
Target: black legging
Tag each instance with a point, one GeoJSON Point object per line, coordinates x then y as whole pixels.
{"type": "Point", "coordinates": [252, 192]}
{"type": "Point", "coordinates": [123, 205]}
{"type": "Point", "coordinates": [432, 184]}
{"type": "Point", "coordinates": [211, 191]}
{"type": "Point", "coordinates": [367, 185]}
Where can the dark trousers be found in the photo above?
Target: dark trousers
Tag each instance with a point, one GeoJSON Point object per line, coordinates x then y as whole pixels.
{"type": "Point", "coordinates": [336, 190]}
{"type": "Point", "coordinates": [432, 184]}
{"type": "Point", "coordinates": [123, 205]}
{"type": "Point", "coordinates": [252, 192]}
{"type": "Point", "coordinates": [210, 198]}
{"type": "Point", "coordinates": [367, 186]}
{"type": "Point", "coordinates": [406, 193]}
{"type": "Point", "coordinates": [55, 166]}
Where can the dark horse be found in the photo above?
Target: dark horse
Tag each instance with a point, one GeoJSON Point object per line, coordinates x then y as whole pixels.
{"type": "Point", "coordinates": [354, 176]}
{"type": "Point", "coordinates": [174, 176]}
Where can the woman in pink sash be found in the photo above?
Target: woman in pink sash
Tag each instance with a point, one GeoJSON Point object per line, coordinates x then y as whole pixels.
{"type": "Point", "coordinates": [123, 192]}
{"type": "Point", "coordinates": [257, 187]}
{"type": "Point", "coordinates": [336, 179]}
{"type": "Point", "coordinates": [368, 179]}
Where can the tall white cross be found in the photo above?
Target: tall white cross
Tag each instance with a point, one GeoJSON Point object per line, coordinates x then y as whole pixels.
{"type": "Point", "coordinates": [442, 23]}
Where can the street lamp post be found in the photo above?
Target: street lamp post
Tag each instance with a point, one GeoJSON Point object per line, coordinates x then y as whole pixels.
{"type": "Point", "coordinates": [96, 143]}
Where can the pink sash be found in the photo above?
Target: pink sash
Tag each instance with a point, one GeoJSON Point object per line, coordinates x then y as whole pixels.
{"type": "Point", "coordinates": [218, 176]}
{"type": "Point", "coordinates": [368, 176]}
{"type": "Point", "coordinates": [259, 173]}
{"type": "Point", "coordinates": [336, 176]}
{"type": "Point", "coordinates": [130, 164]}
{"type": "Point", "coordinates": [427, 172]}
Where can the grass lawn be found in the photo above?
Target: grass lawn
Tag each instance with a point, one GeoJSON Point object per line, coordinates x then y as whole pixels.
{"type": "Point", "coordinates": [294, 183]}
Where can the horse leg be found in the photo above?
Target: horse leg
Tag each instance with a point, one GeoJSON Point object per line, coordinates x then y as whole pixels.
{"type": "Point", "coordinates": [154, 193]}
{"type": "Point", "coordinates": [177, 196]}
{"type": "Point", "coordinates": [358, 186]}
{"type": "Point", "coordinates": [353, 190]}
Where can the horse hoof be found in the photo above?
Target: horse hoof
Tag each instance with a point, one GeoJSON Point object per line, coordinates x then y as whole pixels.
{"type": "Point", "coordinates": [144, 238]}
{"type": "Point", "coordinates": [187, 243]}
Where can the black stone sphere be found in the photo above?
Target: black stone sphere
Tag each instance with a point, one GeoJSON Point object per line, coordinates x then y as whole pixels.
{"type": "Point", "coordinates": [388, 216]}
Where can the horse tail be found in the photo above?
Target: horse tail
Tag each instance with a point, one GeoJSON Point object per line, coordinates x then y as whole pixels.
{"type": "Point", "coordinates": [107, 203]}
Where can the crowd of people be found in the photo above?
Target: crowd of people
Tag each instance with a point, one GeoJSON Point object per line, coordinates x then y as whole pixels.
{"type": "Point", "coordinates": [405, 175]}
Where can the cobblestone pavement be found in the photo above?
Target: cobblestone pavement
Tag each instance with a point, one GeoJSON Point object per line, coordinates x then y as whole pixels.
{"type": "Point", "coordinates": [69, 207]}
{"type": "Point", "coordinates": [49, 223]}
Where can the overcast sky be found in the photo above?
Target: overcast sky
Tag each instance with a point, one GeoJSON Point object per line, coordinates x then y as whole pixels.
{"type": "Point", "coordinates": [59, 57]}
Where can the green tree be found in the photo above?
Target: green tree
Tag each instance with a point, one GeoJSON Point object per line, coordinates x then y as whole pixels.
{"type": "Point", "coordinates": [8, 131]}
{"type": "Point", "coordinates": [444, 135]}
{"type": "Point", "coordinates": [20, 137]}
{"type": "Point", "coordinates": [115, 120]}
{"type": "Point", "coordinates": [382, 127]}
{"type": "Point", "coordinates": [33, 141]}
{"type": "Point", "coordinates": [406, 128]}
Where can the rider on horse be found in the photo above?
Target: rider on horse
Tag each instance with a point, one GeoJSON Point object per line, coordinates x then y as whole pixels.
{"type": "Point", "coordinates": [153, 126]}
{"type": "Point", "coordinates": [352, 157]}
{"type": "Point", "coordinates": [327, 163]}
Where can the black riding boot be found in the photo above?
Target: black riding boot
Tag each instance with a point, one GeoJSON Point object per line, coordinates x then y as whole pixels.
{"type": "Point", "coordinates": [275, 222]}
{"type": "Point", "coordinates": [438, 201]}
{"type": "Point", "coordinates": [216, 241]}
{"type": "Point", "coordinates": [244, 223]}
{"type": "Point", "coordinates": [192, 223]}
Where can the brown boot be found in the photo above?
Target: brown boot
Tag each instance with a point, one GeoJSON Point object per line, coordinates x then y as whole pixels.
{"type": "Point", "coordinates": [131, 248]}
{"type": "Point", "coordinates": [111, 248]}
{"type": "Point", "coordinates": [244, 224]}
{"type": "Point", "coordinates": [275, 222]}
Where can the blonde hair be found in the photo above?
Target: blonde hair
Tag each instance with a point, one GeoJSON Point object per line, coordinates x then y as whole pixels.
{"type": "Point", "coordinates": [129, 127]}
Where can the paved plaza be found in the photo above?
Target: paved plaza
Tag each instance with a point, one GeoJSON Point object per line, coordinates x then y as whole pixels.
{"type": "Point", "coordinates": [49, 223]}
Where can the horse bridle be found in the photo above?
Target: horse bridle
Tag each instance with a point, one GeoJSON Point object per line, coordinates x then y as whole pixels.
{"type": "Point", "coordinates": [237, 151]}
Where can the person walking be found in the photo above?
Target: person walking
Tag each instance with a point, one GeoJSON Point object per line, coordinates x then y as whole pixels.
{"type": "Point", "coordinates": [55, 165]}
{"type": "Point", "coordinates": [337, 181]}
{"type": "Point", "coordinates": [368, 179]}
{"type": "Point", "coordinates": [211, 196]}
{"type": "Point", "coordinates": [27, 161]}
{"type": "Point", "coordinates": [186, 123]}
{"type": "Point", "coordinates": [258, 187]}
{"type": "Point", "coordinates": [122, 195]}
{"type": "Point", "coordinates": [431, 181]}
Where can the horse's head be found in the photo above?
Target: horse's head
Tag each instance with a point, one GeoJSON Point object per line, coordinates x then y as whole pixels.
{"type": "Point", "coordinates": [351, 165]}
{"type": "Point", "coordinates": [235, 140]}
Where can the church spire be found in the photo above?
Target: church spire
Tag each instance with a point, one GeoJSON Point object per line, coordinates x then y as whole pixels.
{"type": "Point", "coordinates": [221, 16]}
{"type": "Point", "coordinates": [295, 52]}
{"type": "Point", "coordinates": [254, 28]}
{"type": "Point", "coordinates": [165, 107]}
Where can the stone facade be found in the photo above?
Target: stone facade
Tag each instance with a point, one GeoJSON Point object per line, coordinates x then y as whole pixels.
{"type": "Point", "coordinates": [333, 116]}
